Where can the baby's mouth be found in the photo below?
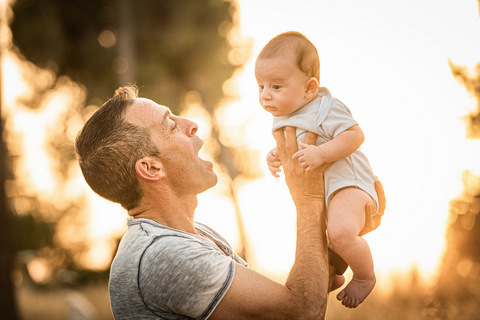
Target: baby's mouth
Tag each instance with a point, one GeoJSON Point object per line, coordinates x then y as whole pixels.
{"type": "Point", "coordinates": [269, 108]}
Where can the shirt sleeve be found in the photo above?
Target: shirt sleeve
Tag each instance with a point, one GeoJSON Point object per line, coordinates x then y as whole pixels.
{"type": "Point", "coordinates": [339, 119]}
{"type": "Point", "coordinates": [183, 278]}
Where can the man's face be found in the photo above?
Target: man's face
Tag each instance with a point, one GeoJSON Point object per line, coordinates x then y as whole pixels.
{"type": "Point", "coordinates": [282, 85]}
{"type": "Point", "coordinates": [178, 145]}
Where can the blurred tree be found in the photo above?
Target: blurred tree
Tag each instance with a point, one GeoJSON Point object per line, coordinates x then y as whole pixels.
{"type": "Point", "coordinates": [7, 299]}
{"type": "Point", "coordinates": [8, 303]}
{"type": "Point", "coordinates": [460, 271]}
{"type": "Point", "coordinates": [169, 48]}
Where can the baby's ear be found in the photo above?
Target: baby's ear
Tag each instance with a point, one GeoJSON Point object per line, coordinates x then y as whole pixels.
{"type": "Point", "coordinates": [149, 168]}
{"type": "Point", "coordinates": [312, 86]}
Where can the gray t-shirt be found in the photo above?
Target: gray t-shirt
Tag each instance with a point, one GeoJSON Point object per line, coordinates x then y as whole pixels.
{"type": "Point", "coordinates": [163, 273]}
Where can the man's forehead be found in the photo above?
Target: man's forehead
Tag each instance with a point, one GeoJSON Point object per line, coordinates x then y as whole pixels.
{"type": "Point", "coordinates": [143, 103]}
{"type": "Point", "coordinates": [145, 111]}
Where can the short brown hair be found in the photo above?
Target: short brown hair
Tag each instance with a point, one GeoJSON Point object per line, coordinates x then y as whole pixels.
{"type": "Point", "coordinates": [293, 42]}
{"type": "Point", "coordinates": [107, 148]}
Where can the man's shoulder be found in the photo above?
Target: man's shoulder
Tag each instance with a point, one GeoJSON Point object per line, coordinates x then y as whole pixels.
{"type": "Point", "coordinates": [143, 233]}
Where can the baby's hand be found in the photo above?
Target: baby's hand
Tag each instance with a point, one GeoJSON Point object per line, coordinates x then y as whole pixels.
{"type": "Point", "coordinates": [310, 157]}
{"type": "Point", "coordinates": [274, 163]}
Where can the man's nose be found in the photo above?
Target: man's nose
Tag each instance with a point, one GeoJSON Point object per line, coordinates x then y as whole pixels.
{"type": "Point", "coordinates": [189, 126]}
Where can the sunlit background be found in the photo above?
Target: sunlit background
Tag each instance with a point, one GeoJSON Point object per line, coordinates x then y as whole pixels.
{"type": "Point", "coordinates": [390, 65]}
{"type": "Point", "coordinates": [388, 61]}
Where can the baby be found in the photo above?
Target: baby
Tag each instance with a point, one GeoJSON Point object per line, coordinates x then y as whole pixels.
{"type": "Point", "coordinates": [287, 71]}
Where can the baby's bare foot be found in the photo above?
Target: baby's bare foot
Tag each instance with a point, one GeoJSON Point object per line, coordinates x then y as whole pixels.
{"type": "Point", "coordinates": [356, 291]}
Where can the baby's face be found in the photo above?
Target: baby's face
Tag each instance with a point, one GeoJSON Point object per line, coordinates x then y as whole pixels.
{"type": "Point", "coordinates": [282, 86]}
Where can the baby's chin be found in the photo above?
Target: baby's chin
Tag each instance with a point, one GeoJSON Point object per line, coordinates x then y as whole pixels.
{"type": "Point", "coordinates": [277, 113]}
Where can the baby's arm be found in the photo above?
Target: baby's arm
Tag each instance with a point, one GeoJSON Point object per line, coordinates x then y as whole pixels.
{"type": "Point", "coordinates": [343, 145]}
{"type": "Point", "coordinates": [274, 163]}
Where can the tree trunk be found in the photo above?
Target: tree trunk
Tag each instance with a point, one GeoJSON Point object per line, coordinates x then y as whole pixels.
{"type": "Point", "coordinates": [7, 299]}
{"type": "Point", "coordinates": [8, 308]}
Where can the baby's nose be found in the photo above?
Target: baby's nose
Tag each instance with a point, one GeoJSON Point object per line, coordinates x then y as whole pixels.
{"type": "Point", "coordinates": [266, 94]}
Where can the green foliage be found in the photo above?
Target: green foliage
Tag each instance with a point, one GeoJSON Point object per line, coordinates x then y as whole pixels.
{"type": "Point", "coordinates": [62, 36]}
{"type": "Point", "coordinates": [171, 47]}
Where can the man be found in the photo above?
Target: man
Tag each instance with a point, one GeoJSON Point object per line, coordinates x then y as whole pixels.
{"type": "Point", "coordinates": [137, 153]}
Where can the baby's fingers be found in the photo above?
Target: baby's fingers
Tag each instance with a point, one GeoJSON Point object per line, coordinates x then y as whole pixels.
{"type": "Point", "coordinates": [274, 171]}
{"type": "Point", "coordinates": [302, 144]}
{"type": "Point", "coordinates": [272, 159]}
{"type": "Point", "coordinates": [297, 154]}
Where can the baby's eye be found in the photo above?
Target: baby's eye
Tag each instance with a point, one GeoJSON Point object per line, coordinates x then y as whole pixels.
{"type": "Point", "coordinates": [276, 87]}
{"type": "Point", "coordinates": [260, 86]}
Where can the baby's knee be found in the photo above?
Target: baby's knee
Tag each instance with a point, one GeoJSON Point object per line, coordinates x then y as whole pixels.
{"type": "Point", "coordinates": [339, 237]}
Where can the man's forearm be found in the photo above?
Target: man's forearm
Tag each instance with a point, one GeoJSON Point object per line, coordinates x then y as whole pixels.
{"type": "Point", "coordinates": [308, 279]}
{"type": "Point", "coordinates": [309, 275]}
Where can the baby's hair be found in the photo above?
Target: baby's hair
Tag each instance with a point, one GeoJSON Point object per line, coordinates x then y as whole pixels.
{"type": "Point", "coordinates": [303, 50]}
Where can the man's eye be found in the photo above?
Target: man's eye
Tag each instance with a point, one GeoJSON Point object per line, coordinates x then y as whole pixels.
{"type": "Point", "coordinates": [174, 126]}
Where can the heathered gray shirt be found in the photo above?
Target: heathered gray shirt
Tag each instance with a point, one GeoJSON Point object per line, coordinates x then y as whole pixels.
{"type": "Point", "coordinates": [163, 273]}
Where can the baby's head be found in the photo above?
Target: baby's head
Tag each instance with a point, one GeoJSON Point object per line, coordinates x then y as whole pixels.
{"type": "Point", "coordinates": [296, 46]}
{"type": "Point", "coordinates": [288, 73]}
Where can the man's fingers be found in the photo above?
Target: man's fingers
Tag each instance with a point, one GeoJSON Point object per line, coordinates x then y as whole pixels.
{"type": "Point", "coordinates": [291, 140]}
{"type": "Point", "coordinates": [371, 223]}
{"type": "Point", "coordinates": [382, 200]}
{"type": "Point", "coordinates": [280, 139]}
{"type": "Point", "coordinates": [368, 210]}
{"type": "Point", "coordinates": [286, 142]}
{"type": "Point", "coordinates": [311, 138]}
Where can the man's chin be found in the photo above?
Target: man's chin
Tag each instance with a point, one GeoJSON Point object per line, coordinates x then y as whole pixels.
{"type": "Point", "coordinates": [210, 181]}
{"type": "Point", "coordinates": [214, 180]}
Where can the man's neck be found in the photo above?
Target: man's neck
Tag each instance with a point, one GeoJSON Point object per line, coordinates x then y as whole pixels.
{"type": "Point", "coordinates": [172, 212]}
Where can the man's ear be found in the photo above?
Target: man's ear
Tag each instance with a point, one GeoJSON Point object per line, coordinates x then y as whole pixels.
{"type": "Point", "coordinates": [150, 168]}
{"type": "Point", "coordinates": [312, 86]}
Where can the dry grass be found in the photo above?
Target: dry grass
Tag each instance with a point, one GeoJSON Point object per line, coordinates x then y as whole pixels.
{"type": "Point", "coordinates": [406, 300]}
{"type": "Point", "coordinates": [43, 304]}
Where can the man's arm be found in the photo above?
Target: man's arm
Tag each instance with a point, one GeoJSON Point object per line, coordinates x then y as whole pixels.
{"type": "Point", "coordinates": [304, 295]}
{"type": "Point", "coordinates": [310, 272]}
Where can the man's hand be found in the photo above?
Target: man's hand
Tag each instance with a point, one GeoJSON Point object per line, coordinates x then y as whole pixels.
{"type": "Point", "coordinates": [304, 187]}
{"type": "Point", "coordinates": [372, 223]}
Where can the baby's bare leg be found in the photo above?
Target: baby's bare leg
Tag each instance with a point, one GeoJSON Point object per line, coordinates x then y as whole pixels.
{"type": "Point", "coordinates": [346, 218]}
